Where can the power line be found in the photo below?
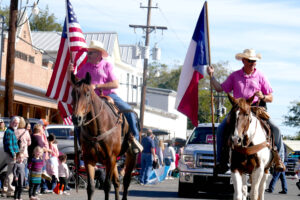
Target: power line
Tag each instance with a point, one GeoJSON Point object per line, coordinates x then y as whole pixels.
{"type": "Point", "coordinates": [171, 28]}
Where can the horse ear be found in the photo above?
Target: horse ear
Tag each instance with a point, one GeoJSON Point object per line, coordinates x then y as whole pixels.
{"type": "Point", "coordinates": [73, 79]}
{"type": "Point", "coordinates": [232, 99]}
{"type": "Point", "coordinates": [88, 78]}
{"type": "Point", "coordinates": [250, 100]}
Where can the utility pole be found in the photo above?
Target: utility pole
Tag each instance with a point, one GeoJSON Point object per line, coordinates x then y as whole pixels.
{"type": "Point", "coordinates": [10, 66]}
{"type": "Point", "coordinates": [148, 29]}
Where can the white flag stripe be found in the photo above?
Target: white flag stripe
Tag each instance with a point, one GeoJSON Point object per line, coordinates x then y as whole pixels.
{"type": "Point", "coordinates": [186, 73]}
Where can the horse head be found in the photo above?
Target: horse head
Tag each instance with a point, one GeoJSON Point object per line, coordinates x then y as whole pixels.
{"type": "Point", "coordinates": [241, 112]}
{"type": "Point", "coordinates": [82, 96]}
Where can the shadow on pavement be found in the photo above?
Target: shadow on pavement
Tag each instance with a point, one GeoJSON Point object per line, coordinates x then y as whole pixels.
{"type": "Point", "coordinates": [139, 193]}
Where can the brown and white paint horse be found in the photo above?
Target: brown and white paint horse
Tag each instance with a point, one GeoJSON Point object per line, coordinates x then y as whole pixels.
{"type": "Point", "coordinates": [250, 152]}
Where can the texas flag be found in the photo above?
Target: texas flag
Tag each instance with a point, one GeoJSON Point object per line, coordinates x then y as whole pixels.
{"type": "Point", "coordinates": [193, 70]}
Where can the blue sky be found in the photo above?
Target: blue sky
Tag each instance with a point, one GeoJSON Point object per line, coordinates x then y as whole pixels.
{"type": "Point", "coordinates": [272, 27]}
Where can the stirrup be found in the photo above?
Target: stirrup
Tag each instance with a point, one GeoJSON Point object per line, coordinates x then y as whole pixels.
{"type": "Point", "coordinates": [136, 146]}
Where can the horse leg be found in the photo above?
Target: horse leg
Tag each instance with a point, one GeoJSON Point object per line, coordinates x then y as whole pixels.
{"type": "Point", "coordinates": [256, 176]}
{"type": "Point", "coordinates": [237, 184]}
{"type": "Point", "coordinates": [244, 187]}
{"type": "Point", "coordinates": [116, 182]}
{"type": "Point", "coordinates": [129, 166]}
{"type": "Point", "coordinates": [108, 176]}
{"type": "Point", "coordinates": [262, 186]}
{"type": "Point", "coordinates": [90, 178]}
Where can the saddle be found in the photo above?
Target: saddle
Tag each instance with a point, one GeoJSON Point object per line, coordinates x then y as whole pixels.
{"type": "Point", "coordinates": [128, 139]}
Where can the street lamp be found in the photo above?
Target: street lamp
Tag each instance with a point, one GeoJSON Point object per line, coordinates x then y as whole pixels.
{"type": "Point", "coordinates": [10, 60]}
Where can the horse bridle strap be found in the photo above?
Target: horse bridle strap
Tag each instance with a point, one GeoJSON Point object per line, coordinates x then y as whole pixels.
{"type": "Point", "coordinates": [252, 149]}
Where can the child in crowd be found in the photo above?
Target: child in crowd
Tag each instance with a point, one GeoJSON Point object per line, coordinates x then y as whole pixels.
{"type": "Point", "coordinates": [52, 162]}
{"type": "Point", "coordinates": [63, 172]}
{"type": "Point", "coordinates": [19, 175]}
{"type": "Point", "coordinates": [35, 166]}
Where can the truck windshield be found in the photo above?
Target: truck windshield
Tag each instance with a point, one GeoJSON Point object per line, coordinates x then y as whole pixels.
{"type": "Point", "coordinates": [202, 135]}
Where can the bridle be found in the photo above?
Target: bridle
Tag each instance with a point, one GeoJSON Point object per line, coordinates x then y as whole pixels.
{"type": "Point", "coordinates": [248, 116]}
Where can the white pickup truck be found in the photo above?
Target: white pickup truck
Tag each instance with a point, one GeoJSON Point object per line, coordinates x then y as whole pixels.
{"type": "Point", "coordinates": [197, 163]}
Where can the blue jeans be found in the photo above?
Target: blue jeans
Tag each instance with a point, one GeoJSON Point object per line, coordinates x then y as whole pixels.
{"type": "Point", "coordinates": [276, 176]}
{"type": "Point", "coordinates": [130, 116]}
{"type": "Point", "coordinates": [220, 139]}
{"type": "Point", "coordinates": [146, 163]}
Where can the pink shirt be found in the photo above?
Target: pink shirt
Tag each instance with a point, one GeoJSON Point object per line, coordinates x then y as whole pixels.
{"type": "Point", "coordinates": [244, 86]}
{"type": "Point", "coordinates": [100, 73]}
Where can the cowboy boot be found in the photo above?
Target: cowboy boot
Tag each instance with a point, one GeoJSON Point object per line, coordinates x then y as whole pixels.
{"type": "Point", "coordinates": [136, 146]}
{"type": "Point", "coordinates": [279, 165]}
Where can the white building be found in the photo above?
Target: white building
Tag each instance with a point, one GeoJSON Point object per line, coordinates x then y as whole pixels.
{"type": "Point", "coordinates": [159, 109]}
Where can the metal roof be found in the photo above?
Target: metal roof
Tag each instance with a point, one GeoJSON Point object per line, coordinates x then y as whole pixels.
{"type": "Point", "coordinates": [49, 41]}
{"type": "Point", "coordinates": [294, 145]}
{"type": "Point", "coordinates": [128, 54]}
{"type": "Point", "coordinates": [46, 40]}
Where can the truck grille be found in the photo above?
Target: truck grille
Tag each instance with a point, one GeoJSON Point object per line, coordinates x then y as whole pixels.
{"type": "Point", "coordinates": [205, 160]}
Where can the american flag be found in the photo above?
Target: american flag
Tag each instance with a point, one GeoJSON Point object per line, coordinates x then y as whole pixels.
{"type": "Point", "coordinates": [72, 48]}
{"type": "Point", "coordinates": [65, 112]}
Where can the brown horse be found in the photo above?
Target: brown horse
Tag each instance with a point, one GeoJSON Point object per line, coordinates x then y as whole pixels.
{"type": "Point", "coordinates": [100, 137]}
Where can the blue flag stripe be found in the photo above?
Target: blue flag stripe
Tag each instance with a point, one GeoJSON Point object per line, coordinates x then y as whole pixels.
{"type": "Point", "coordinates": [201, 39]}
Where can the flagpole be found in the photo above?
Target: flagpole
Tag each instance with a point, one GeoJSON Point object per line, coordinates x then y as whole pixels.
{"type": "Point", "coordinates": [211, 90]}
{"type": "Point", "coordinates": [76, 156]}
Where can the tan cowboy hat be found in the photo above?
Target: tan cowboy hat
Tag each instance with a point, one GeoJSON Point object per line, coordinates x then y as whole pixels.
{"type": "Point", "coordinates": [249, 54]}
{"type": "Point", "coordinates": [97, 45]}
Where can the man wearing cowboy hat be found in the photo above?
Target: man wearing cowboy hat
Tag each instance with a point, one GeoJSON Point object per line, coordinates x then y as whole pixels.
{"type": "Point", "coordinates": [245, 83]}
{"type": "Point", "coordinates": [105, 82]}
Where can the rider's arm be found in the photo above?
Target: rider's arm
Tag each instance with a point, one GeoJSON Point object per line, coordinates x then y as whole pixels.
{"type": "Point", "coordinates": [268, 98]}
{"type": "Point", "coordinates": [109, 85]}
{"type": "Point", "coordinates": [217, 86]}
{"type": "Point", "coordinates": [69, 72]}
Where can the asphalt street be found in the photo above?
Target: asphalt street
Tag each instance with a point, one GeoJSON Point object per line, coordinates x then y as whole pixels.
{"type": "Point", "coordinates": [167, 190]}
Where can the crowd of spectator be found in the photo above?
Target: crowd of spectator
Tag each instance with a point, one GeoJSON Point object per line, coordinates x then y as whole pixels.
{"type": "Point", "coordinates": [33, 160]}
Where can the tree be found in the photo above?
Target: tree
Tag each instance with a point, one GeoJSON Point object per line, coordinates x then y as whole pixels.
{"type": "Point", "coordinates": [5, 13]}
{"type": "Point", "coordinates": [161, 77]}
{"type": "Point", "coordinates": [293, 117]}
{"type": "Point", "coordinates": [42, 22]}
{"type": "Point", "coordinates": [45, 22]}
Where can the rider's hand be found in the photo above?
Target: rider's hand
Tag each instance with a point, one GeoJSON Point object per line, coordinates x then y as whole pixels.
{"type": "Point", "coordinates": [71, 67]}
{"type": "Point", "coordinates": [210, 70]}
{"type": "Point", "coordinates": [260, 95]}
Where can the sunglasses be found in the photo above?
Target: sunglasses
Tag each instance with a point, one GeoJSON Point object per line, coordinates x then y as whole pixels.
{"type": "Point", "coordinates": [251, 61]}
{"type": "Point", "coordinates": [91, 52]}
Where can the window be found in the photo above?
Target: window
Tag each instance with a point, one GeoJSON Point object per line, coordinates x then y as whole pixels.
{"type": "Point", "coordinates": [31, 59]}
{"type": "Point", "coordinates": [21, 55]}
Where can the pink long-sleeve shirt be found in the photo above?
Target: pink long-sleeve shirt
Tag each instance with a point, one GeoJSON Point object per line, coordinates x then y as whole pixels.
{"type": "Point", "coordinates": [244, 86]}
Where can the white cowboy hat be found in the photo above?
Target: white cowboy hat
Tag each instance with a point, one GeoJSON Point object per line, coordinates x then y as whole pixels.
{"type": "Point", "coordinates": [249, 54]}
{"type": "Point", "coordinates": [97, 45]}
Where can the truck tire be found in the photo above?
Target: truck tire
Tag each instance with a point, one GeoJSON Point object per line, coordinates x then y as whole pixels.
{"type": "Point", "coordinates": [186, 189]}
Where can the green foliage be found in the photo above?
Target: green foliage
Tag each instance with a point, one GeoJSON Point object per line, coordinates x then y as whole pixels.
{"type": "Point", "coordinates": [42, 22]}
{"type": "Point", "coordinates": [5, 13]}
{"type": "Point", "coordinates": [160, 76]}
{"type": "Point", "coordinates": [293, 117]}
{"type": "Point", "coordinates": [45, 22]}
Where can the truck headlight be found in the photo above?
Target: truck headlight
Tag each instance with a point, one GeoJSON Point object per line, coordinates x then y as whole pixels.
{"type": "Point", "coordinates": [189, 160]}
